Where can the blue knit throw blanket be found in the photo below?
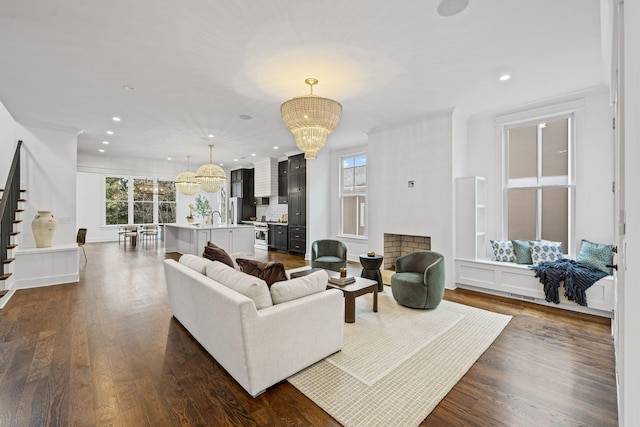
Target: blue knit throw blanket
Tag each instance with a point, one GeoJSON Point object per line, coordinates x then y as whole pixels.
{"type": "Point", "coordinates": [577, 279]}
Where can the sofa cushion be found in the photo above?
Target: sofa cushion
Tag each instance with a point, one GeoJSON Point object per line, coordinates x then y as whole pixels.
{"type": "Point", "coordinates": [270, 272]}
{"type": "Point", "coordinates": [596, 255]}
{"type": "Point", "coordinates": [195, 263]}
{"type": "Point", "coordinates": [215, 253]}
{"type": "Point", "coordinates": [299, 287]}
{"type": "Point", "coordinates": [544, 250]}
{"type": "Point", "coordinates": [328, 258]}
{"type": "Point", "coordinates": [522, 251]}
{"type": "Point", "coordinates": [503, 251]}
{"type": "Point", "coordinates": [249, 286]}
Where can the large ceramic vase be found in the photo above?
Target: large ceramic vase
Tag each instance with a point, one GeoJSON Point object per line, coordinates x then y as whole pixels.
{"type": "Point", "coordinates": [44, 229]}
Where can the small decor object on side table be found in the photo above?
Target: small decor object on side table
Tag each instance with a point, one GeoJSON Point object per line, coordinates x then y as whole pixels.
{"type": "Point", "coordinates": [371, 268]}
{"type": "Point", "coordinates": [341, 281]}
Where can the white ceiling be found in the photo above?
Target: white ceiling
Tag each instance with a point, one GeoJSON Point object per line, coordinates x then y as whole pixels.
{"type": "Point", "coordinates": [198, 65]}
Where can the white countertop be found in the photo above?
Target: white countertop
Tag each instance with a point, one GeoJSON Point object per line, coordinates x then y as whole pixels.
{"type": "Point", "coordinates": [208, 226]}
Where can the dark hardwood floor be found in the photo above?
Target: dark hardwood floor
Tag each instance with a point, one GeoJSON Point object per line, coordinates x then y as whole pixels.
{"type": "Point", "coordinates": [106, 351]}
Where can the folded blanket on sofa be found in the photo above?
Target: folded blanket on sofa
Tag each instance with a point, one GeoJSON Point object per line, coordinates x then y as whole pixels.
{"type": "Point", "coordinates": [577, 279]}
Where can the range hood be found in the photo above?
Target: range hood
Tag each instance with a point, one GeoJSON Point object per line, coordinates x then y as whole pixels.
{"type": "Point", "coordinates": [265, 178]}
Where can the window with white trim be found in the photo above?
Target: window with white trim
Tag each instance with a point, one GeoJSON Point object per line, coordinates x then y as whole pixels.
{"type": "Point", "coordinates": [130, 200]}
{"type": "Point", "coordinates": [353, 191]}
{"type": "Point", "coordinates": [539, 189]}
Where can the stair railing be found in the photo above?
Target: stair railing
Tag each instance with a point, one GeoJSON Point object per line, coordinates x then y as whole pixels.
{"type": "Point", "coordinates": [8, 206]}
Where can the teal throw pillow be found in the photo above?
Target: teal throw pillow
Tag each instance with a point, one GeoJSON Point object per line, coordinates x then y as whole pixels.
{"type": "Point", "coordinates": [542, 251]}
{"type": "Point", "coordinates": [596, 255]}
{"type": "Point", "coordinates": [503, 251]}
{"type": "Point", "coordinates": [522, 251]}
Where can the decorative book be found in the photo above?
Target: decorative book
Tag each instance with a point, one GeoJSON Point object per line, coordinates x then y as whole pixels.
{"type": "Point", "coordinates": [341, 280]}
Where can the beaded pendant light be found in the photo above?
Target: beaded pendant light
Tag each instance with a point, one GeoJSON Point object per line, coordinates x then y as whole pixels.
{"type": "Point", "coordinates": [186, 181]}
{"type": "Point", "coordinates": [211, 177]}
{"type": "Point", "coordinates": [311, 118]}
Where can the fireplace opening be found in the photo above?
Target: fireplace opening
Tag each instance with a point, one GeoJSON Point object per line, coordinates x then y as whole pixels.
{"type": "Point", "coordinates": [396, 245]}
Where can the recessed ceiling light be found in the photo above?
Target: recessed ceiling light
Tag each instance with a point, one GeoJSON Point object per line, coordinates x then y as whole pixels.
{"type": "Point", "coordinates": [130, 88]}
{"type": "Point", "coordinates": [245, 117]}
{"type": "Point", "coordinates": [168, 158]}
{"type": "Point", "coordinates": [210, 136]}
{"type": "Point", "coordinates": [109, 132]}
{"type": "Point", "coordinates": [105, 142]}
{"type": "Point", "coordinates": [101, 150]}
{"type": "Point", "coordinates": [452, 7]}
{"type": "Point", "coordinates": [275, 148]}
{"type": "Point", "coordinates": [221, 164]}
{"type": "Point", "coordinates": [115, 118]}
{"type": "Point", "coordinates": [235, 160]}
{"type": "Point", "coordinates": [505, 77]}
{"type": "Point", "coordinates": [253, 154]}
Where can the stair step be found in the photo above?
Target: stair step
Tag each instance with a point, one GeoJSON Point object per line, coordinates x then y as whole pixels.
{"type": "Point", "coordinates": [5, 276]}
{"type": "Point", "coordinates": [22, 200]}
{"type": "Point", "coordinates": [15, 245]}
{"type": "Point", "coordinates": [19, 210]}
{"type": "Point", "coordinates": [22, 190]}
{"type": "Point", "coordinates": [8, 260]}
{"type": "Point", "coordinates": [14, 233]}
{"type": "Point", "coordinates": [17, 221]}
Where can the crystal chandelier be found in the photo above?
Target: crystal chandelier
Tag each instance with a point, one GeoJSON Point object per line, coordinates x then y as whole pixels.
{"type": "Point", "coordinates": [186, 181]}
{"type": "Point", "coordinates": [211, 177]}
{"type": "Point", "coordinates": [310, 118]}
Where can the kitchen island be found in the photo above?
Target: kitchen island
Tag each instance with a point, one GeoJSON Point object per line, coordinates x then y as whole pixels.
{"type": "Point", "coordinates": [190, 239]}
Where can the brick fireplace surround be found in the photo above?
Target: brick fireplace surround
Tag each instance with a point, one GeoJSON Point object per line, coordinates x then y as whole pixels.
{"type": "Point", "coordinates": [396, 245]}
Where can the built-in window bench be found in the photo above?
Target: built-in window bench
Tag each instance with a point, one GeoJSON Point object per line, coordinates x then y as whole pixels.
{"type": "Point", "coordinates": [518, 281]}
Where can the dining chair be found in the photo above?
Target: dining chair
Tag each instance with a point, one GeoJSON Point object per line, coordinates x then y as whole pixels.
{"type": "Point", "coordinates": [81, 240]}
{"type": "Point", "coordinates": [130, 231]}
{"type": "Point", "coordinates": [149, 231]}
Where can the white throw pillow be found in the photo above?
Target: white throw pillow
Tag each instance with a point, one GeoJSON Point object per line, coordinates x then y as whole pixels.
{"type": "Point", "coordinates": [299, 287]}
{"type": "Point", "coordinates": [249, 286]}
{"type": "Point", "coordinates": [195, 263]}
{"type": "Point", "coordinates": [543, 250]}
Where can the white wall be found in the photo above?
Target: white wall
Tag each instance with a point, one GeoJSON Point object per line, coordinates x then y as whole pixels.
{"type": "Point", "coordinates": [48, 174]}
{"type": "Point", "coordinates": [323, 200]}
{"type": "Point", "coordinates": [7, 143]}
{"type": "Point", "coordinates": [630, 315]}
{"type": "Point", "coordinates": [423, 152]}
{"type": "Point", "coordinates": [594, 163]}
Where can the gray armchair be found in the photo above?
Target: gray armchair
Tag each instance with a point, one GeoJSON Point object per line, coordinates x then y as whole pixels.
{"type": "Point", "coordinates": [328, 254]}
{"type": "Point", "coordinates": [419, 280]}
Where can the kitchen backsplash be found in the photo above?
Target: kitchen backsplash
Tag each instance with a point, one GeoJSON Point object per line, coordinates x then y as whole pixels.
{"type": "Point", "coordinates": [272, 211]}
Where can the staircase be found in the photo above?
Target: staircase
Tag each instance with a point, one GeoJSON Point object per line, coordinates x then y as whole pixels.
{"type": "Point", "coordinates": [10, 202]}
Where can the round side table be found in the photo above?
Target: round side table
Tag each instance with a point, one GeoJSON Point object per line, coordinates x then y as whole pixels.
{"type": "Point", "coordinates": [371, 268]}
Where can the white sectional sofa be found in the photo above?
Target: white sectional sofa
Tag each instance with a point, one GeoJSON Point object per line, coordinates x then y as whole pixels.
{"type": "Point", "coordinates": [258, 347]}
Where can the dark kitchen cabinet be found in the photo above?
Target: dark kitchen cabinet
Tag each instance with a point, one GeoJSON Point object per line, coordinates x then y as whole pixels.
{"type": "Point", "coordinates": [242, 187]}
{"type": "Point", "coordinates": [283, 182]}
{"type": "Point", "coordinates": [242, 183]}
{"type": "Point", "coordinates": [278, 237]}
{"type": "Point", "coordinates": [297, 209]}
{"type": "Point", "coordinates": [297, 239]}
{"type": "Point", "coordinates": [297, 162]}
{"type": "Point", "coordinates": [297, 181]}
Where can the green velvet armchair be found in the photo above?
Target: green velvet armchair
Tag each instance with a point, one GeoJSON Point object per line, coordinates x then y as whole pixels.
{"type": "Point", "coordinates": [328, 254]}
{"type": "Point", "coordinates": [419, 280]}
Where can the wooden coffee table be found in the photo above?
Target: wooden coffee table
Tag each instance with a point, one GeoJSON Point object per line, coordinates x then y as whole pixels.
{"type": "Point", "coordinates": [353, 290]}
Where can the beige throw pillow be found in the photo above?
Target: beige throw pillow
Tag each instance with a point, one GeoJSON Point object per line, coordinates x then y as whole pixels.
{"type": "Point", "coordinates": [299, 287]}
{"type": "Point", "coordinates": [195, 263]}
{"type": "Point", "coordinates": [247, 285]}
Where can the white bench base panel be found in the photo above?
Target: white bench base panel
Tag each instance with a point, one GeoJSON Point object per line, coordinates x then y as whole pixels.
{"type": "Point", "coordinates": [518, 281]}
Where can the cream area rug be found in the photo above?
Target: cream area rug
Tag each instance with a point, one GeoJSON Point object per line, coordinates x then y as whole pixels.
{"type": "Point", "coordinates": [397, 364]}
